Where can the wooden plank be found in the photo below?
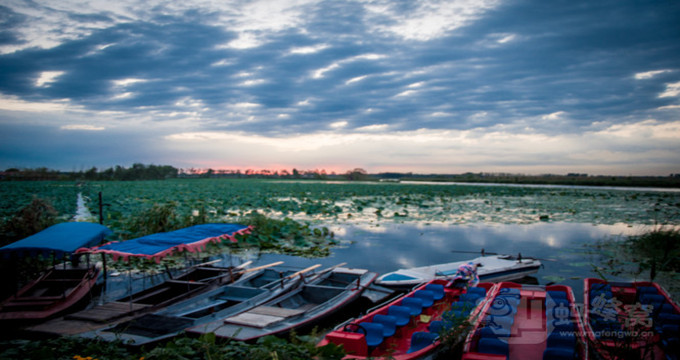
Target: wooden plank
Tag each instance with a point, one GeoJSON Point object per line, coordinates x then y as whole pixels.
{"type": "Point", "coordinates": [276, 311]}
{"type": "Point", "coordinates": [107, 311]}
{"type": "Point", "coordinates": [253, 320]}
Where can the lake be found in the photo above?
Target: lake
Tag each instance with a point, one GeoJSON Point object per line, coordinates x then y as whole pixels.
{"type": "Point", "coordinates": [391, 246]}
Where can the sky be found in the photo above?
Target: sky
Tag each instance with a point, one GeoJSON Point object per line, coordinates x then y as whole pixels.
{"type": "Point", "coordinates": [452, 86]}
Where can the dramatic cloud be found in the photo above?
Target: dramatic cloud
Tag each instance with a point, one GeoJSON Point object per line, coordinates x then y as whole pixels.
{"type": "Point", "coordinates": [427, 86]}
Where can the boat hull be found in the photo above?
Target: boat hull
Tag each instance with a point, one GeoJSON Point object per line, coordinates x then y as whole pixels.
{"type": "Point", "coordinates": [360, 343]}
{"type": "Point", "coordinates": [59, 290]}
{"type": "Point", "coordinates": [495, 268]}
{"type": "Point", "coordinates": [527, 322]}
{"type": "Point", "coordinates": [303, 307]}
{"type": "Point", "coordinates": [630, 319]}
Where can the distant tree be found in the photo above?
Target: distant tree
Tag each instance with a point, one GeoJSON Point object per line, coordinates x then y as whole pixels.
{"type": "Point", "coordinates": [356, 174]}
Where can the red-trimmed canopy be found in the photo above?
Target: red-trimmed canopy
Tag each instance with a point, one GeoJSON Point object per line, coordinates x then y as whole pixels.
{"type": "Point", "coordinates": [157, 246]}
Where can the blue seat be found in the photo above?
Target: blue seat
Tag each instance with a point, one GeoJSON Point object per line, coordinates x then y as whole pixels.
{"type": "Point", "coordinates": [415, 305]}
{"type": "Point", "coordinates": [499, 321]}
{"type": "Point", "coordinates": [462, 305]}
{"type": "Point", "coordinates": [436, 326]}
{"type": "Point", "coordinates": [490, 345]}
{"type": "Point", "coordinates": [374, 333]}
{"type": "Point", "coordinates": [562, 325]}
{"type": "Point", "coordinates": [477, 290]}
{"type": "Point", "coordinates": [652, 298]}
{"type": "Point", "coordinates": [557, 294]}
{"type": "Point", "coordinates": [420, 340]}
{"type": "Point", "coordinates": [471, 298]}
{"type": "Point", "coordinates": [402, 313]}
{"type": "Point", "coordinates": [597, 293]}
{"type": "Point", "coordinates": [494, 332]}
{"type": "Point", "coordinates": [437, 290]}
{"type": "Point", "coordinates": [551, 353]}
{"type": "Point", "coordinates": [514, 292]}
{"type": "Point", "coordinates": [600, 286]}
{"type": "Point", "coordinates": [561, 339]}
{"type": "Point", "coordinates": [647, 290]}
{"type": "Point", "coordinates": [426, 296]}
{"type": "Point", "coordinates": [388, 322]}
{"type": "Point", "coordinates": [560, 311]}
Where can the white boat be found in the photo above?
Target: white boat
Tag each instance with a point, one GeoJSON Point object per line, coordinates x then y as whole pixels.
{"type": "Point", "coordinates": [493, 268]}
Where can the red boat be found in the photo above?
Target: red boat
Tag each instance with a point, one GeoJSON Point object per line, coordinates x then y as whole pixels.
{"type": "Point", "coordinates": [61, 287]}
{"type": "Point", "coordinates": [527, 322]}
{"type": "Point", "coordinates": [626, 320]}
{"type": "Point", "coordinates": [409, 327]}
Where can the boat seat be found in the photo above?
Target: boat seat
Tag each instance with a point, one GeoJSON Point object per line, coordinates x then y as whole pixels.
{"type": "Point", "coordinates": [647, 290]}
{"type": "Point", "coordinates": [514, 292]}
{"type": "Point", "coordinates": [494, 332]}
{"type": "Point", "coordinates": [558, 353]}
{"type": "Point", "coordinates": [499, 321]}
{"type": "Point", "coordinates": [558, 339]}
{"type": "Point", "coordinates": [471, 298]}
{"type": "Point", "coordinates": [402, 313]}
{"type": "Point", "coordinates": [438, 325]}
{"type": "Point", "coordinates": [562, 325]}
{"type": "Point", "coordinates": [653, 299]}
{"type": "Point", "coordinates": [374, 333]}
{"type": "Point", "coordinates": [596, 293]}
{"type": "Point", "coordinates": [420, 340]}
{"type": "Point", "coordinates": [561, 311]}
{"type": "Point", "coordinates": [490, 345]}
{"type": "Point", "coordinates": [426, 296]}
{"type": "Point", "coordinates": [437, 290]}
{"type": "Point", "coordinates": [557, 294]}
{"type": "Point", "coordinates": [388, 322]}
{"type": "Point", "coordinates": [477, 290]}
{"type": "Point", "coordinates": [600, 286]}
{"type": "Point", "coordinates": [415, 305]}
{"type": "Point", "coordinates": [462, 305]}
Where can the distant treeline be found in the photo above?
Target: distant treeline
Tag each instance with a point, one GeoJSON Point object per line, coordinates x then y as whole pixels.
{"type": "Point", "coordinates": [161, 172]}
{"type": "Point", "coordinates": [135, 172]}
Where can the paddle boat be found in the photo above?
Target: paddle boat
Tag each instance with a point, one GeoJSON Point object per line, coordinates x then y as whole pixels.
{"type": "Point", "coordinates": [305, 306]}
{"type": "Point", "coordinates": [527, 322]}
{"type": "Point", "coordinates": [631, 320]}
{"type": "Point", "coordinates": [492, 268]}
{"type": "Point", "coordinates": [410, 326]}
{"type": "Point", "coordinates": [62, 287]}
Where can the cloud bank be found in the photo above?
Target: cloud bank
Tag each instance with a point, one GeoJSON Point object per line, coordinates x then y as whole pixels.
{"type": "Point", "coordinates": [423, 86]}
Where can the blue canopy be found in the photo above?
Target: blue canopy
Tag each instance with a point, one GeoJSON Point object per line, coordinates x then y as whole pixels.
{"type": "Point", "coordinates": [157, 246]}
{"type": "Point", "coordinates": [63, 238]}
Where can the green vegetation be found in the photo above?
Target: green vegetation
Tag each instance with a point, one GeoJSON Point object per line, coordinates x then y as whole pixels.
{"type": "Point", "coordinates": [653, 255]}
{"type": "Point", "coordinates": [184, 348]}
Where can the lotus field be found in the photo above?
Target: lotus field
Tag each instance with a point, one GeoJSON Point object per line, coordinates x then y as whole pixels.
{"type": "Point", "coordinates": [330, 203]}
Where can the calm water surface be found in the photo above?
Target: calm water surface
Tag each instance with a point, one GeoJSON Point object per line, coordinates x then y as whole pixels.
{"type": "Point", "coordinates": [389, 247]}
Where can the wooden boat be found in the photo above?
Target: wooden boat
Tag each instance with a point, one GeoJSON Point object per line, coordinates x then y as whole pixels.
{"type": "Point", "coordinates": [63, 286]}
{"type": "Point", "coordinates": [302, 307]}
{"type": "Point", "coordinates": [493, 268]}
{"type": "Point", "coordinates": [253, 289]}
{"type": "Point", "coordinates": [191, 282]}
{"type": "Point", "coordinates": [631, 320]}
{"type": "Point", "coordinates": [410, 326]}
{"type": "Point", "coordinates": [528, 322]}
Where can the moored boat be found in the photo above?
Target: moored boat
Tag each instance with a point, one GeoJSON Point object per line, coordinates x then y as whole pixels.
{"type": "Point", "coordinates": [190, 282]}
{"type": "Point", "coordinates": [528, 322]}
{"type": "Point", "coordinates": [409, 327]}
{"type": "Point", "coordinates": [493, 268]}
{"type": "Point", "coordinates": [62, 287]}
{"type": "Point", "coordinates": [251, 290]}
{"type": "Point", "coordinates": [627, 320]}
{"type": "Point", "coordinates": [302, 307]}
